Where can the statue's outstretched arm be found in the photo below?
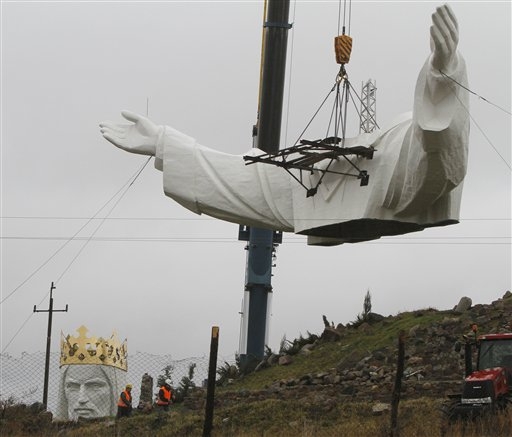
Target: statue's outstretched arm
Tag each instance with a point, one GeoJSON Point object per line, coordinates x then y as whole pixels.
{"type": "Point", "coordinates": [436, 95]}
{"type": "Point", "coordinates": [204, 180]}
{"type": "Point", "coordinates": [435, 157]}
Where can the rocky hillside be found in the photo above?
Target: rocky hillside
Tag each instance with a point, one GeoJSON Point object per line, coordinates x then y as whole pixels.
{"type": "Point", "coordinates": [359, 360]}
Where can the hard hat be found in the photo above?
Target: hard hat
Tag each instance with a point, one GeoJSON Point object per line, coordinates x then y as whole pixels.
{"type": "Point", "coordinates": [128, 386]}
{"type": "Point", "coordinates": [168, 381]}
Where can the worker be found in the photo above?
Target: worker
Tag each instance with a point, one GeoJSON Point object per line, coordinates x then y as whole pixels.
{"type": "Point", "coordinates": [164, 398]}
{"type": "Point", "coordinates": [124, 404]}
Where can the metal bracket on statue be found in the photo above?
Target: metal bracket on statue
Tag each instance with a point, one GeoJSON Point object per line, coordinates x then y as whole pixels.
{"type": "Point", "coordinates": [305, 155]}
{"type": "Point", "coordinates": [365, 177]}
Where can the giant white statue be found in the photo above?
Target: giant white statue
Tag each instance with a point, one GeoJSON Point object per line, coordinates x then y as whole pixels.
{"type": "Point", "coordinates": [93, 373]}
{"type": "Point", "coordinates": [416, 174]}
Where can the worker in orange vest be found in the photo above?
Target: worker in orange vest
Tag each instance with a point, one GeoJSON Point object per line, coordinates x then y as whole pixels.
{"type": "Point", "coordinates": [124, 404]}
{"type": "Point", "coordinates": [164, 398]}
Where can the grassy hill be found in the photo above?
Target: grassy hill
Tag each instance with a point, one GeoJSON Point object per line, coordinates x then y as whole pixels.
{"type": "Point", "coordinates": [335, 383]}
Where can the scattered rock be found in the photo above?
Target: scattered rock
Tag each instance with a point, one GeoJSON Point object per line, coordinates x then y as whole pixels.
{"type": "Point", "coordinates": [413, 331]}
{"type": "Point", "coordinates": [262, 365]}
{"type": "Point", "coordinates": [330, 334]}
{"type": "Point", "coordinates": [413, 361]}
{"type": "Point", "coordinates": [364, 327]}
{"type": "Point", "coordinates": [374, 318]}
{"type": "Point", "coordinates": [37, 407]}
{"type": "Point", "coordinates": [273, 359]}
{"type": "Point", "coordinates": [146, 392]}
{"type": "Point", "coordinates": [380, 408]}
{"type": "Point", "coordinates": [285, 360]}
{"type": "Point", "coordinates": [463, 305]}
{"type": "Point", "coordinates": [307, 348]}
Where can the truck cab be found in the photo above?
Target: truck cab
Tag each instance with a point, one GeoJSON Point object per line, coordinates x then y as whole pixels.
{"type": "Point", "coordinates": [495, 350]}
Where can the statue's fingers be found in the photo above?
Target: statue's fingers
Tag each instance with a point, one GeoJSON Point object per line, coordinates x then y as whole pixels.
{"type": "Point", "coordinates": [438, 39]}
{"type": "Point", "coordinates": [440, 52]}
{"type": "Point", "coordinates": [440, 24]}
{"type": "Point", "coordinates": [113, 133]}
{"type": "Point", "coordinates": [451, 16]}
{"type": "Point", "coordinates": [131, 116]}
{"type": "Point", "coordinates": [110, 139]}
{"type": "Point", "coordinates": [116, 141]}
{"type": "Point", "coordinates": [111, 130]}
{"type": "Point", "coordinates": [449, 23]}
{"type": "Point", "coordinates": [120, 128]}
{"type": "Point", "coordinates": [443, 38]}
{"type": "Point", "coordinates": [115, 127]}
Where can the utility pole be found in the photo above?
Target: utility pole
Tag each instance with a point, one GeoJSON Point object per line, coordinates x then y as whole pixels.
{"type": "Point", "coordinates": [50, 312]}
{"type": "Point", "coordinates": [266, 133]}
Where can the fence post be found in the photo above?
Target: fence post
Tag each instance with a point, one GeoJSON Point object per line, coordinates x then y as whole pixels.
{"type": "Point", "coordinates": [394, 432]}
{"type": "Point", "coordinates": [210, 391]}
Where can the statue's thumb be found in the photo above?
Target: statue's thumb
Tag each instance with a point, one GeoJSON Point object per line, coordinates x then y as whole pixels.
{"type": "Point", "coordinates": [131, 116]}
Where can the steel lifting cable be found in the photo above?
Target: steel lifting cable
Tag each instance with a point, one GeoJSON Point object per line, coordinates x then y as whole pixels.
{"type": "Point", "coordinates": [304, 154]}
{"type": "Point", "coordinates": [342, 50]}
{"type": "Point", "coordinates": [344, 15]}
{"type": "Point", "coordinates": [473, 119]}
{"type": "Point", "coordinates": [475, 94]}
{"type": "Point", "coordinates": [315, 114]}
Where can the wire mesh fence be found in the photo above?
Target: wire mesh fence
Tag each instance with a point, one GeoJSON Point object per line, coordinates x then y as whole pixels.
{"type": "Point", "coordinates": [87, 390]}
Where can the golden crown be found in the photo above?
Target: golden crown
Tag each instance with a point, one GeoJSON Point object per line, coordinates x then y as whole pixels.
{"type": "Point", "coordinates": [93, 350]}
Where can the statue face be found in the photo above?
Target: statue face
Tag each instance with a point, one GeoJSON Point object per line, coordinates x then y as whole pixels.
{"type": "Point", "coordinates": [87, 391]}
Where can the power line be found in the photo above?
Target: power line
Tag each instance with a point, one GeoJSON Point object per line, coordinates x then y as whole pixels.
{"type": "Point", "coordinates": [130, 182]}
{"type": "Point", "coordinates": [106, 218]}
{"type": "Point", "coordinates": [127, 184]}
{"type": "Point", "coordinates": [207, 239]}
{"type": "Point", "coordinates": [387, 240]}
{"type": "Point", "coordinates": [23, 325]}
{"type": "Point", "coordinates": [103, 221]}
{"type": "Point", "coordinates": [190, 218]}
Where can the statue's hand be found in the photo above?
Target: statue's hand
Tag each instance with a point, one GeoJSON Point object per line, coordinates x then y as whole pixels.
{"type": "Point", "coordinates": [444, 37]}
{"type": "Point", "coordinates": [140, 136]}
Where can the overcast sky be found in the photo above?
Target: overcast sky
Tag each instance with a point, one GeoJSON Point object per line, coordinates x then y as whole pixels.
{"type": "Point", "coordinates": [160, 275]}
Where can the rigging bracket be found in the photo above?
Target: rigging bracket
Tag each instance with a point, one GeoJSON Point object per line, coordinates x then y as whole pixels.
{"type": "Point", "coordinates": [306, 154]}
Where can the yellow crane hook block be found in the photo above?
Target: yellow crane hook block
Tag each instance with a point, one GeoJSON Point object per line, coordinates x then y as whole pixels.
{"type": "Point", "coordinates": [342, 47]}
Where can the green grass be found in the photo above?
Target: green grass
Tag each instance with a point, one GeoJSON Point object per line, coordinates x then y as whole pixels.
{"type": "Point", "coordinates": [272, 417]}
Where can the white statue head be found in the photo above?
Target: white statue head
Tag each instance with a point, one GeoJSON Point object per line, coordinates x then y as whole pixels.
{"type": "Point", "coordinates": [89, 391]}
{"type": "Point", "coordinates": [93, 374]}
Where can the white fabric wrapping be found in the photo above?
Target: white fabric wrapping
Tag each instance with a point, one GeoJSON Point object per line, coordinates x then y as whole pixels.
{"type": "Point", "coordinates": [415, 176]}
